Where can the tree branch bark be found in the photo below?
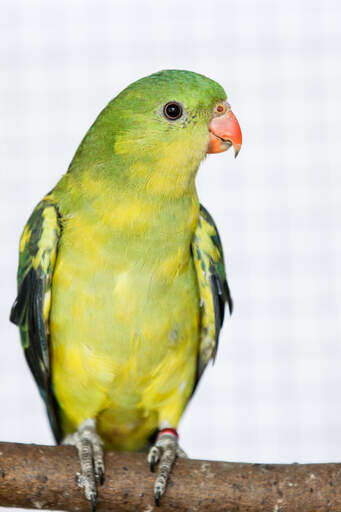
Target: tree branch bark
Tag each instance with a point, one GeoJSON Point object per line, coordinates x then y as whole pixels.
{"type": "Point", "coordinates": [44, 477]}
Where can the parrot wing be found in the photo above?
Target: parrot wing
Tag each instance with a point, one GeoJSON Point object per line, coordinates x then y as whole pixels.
{"type": "Point", "coordinates": [213, 287]}
{"type": "Point", "coordinates": [31, 310]}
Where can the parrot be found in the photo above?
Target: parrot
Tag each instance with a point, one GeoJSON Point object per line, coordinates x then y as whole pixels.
{"type": "Point", "coordinates": [122, 285]}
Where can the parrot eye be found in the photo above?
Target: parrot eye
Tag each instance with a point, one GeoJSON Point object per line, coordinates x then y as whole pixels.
{"type": "Point", "coordinates": [221, 108]}
{"type": "Point", "coordinates": [172, 110]}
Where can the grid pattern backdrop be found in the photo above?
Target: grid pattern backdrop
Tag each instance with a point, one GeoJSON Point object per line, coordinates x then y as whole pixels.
{"type": "Point", "coordinates": [274, 392]}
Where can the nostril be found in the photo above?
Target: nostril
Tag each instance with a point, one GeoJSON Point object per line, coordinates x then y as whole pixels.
{"type": "Point", "coordinates": [226, 128]}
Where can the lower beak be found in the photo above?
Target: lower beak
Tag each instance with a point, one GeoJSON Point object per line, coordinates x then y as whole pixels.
{"type": "Point", "coordinates": [224, 133]}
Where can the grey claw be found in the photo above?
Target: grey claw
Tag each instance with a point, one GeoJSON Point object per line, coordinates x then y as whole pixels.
{"type": "Point", "coordinates": [157, 495]}
{"type": "Point", "coordinates": [153, 457]}
{"type": "Point", "coordinates": [152, 463]}
{"type": "Point", "coordinates": [93, 500]}
{"type": "Point", "coordinates": [100, 476]}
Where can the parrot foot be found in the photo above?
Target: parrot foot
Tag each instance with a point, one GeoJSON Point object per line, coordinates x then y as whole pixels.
{"type": "Point", "coordinates": [90, 453]}
{"type": "Point", "coordinates": [165, 450]}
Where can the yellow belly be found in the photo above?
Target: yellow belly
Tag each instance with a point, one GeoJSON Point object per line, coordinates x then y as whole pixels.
{"type": "Point", "coordinates": [124, 338]}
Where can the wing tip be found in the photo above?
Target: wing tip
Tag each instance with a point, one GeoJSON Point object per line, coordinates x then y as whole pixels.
{"type": "Point", "coordinates": [14, 316]}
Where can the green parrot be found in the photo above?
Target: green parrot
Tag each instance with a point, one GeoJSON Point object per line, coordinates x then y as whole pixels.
{"type": "Point", "coordinates": [121, 281]}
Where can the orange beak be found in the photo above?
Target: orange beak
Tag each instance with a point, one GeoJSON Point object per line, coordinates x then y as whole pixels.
{"type": "Point", "coordinates": [224, 133]}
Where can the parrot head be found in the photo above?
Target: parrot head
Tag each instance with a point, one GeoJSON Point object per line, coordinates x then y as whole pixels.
{"type": "Point", "coordinates": [178, 105]}
{"type": "Point", "coordinates": [167, 122]}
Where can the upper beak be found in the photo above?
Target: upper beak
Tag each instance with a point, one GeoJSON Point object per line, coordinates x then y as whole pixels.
{"type": "Point", "coordinates": [224, 133]}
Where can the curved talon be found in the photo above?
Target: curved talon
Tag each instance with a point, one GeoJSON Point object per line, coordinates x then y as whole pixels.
{"type": "Point", "coordinates": [100, 476]}
{"type": "Point", "coordinates": [153, 457]}
{"type": "Point", "coordinates": [157, 495]}
{"type": "Point", "coordinates": [93, 500]}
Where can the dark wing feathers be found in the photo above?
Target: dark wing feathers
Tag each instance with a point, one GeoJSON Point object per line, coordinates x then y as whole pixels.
{"type": "Point", "coordinates": [213, 287]}
{"type": "Point", "coordinates": [38, 250]}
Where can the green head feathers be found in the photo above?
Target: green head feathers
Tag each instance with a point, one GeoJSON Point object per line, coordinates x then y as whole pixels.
{"type": "Point", "coordinates": [143, 101]}
{"type": "Point", "coordinates": [135, 126]}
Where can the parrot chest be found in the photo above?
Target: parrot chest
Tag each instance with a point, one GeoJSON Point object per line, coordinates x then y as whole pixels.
{"type": "Point", "coordinates": [124, 328]}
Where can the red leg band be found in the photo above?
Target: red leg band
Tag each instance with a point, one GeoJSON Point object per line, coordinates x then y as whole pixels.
{"type": "Point", "coordinates": [169, 431]}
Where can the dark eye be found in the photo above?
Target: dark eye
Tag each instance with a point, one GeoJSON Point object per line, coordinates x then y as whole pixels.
{"type": "Point", "coordinates": [172, 110]}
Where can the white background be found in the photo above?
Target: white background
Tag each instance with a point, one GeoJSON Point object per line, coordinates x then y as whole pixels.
{"type": "Point", "coordinates": [274, 392]}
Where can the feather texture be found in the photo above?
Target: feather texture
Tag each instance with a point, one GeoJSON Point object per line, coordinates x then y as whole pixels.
{"type": "Point", "coordinates": [213, 287]}
{"type": "Point", "coordinates": [31, 310]}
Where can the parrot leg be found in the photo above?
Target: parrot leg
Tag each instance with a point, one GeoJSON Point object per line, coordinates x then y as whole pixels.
{"type": "Point", "coordinates": [165, 450]}
{"type": "Point", "coordinates": [90, 453]}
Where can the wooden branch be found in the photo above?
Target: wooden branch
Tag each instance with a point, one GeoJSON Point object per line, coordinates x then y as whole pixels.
{"type": "Point", "coordinates": [44, 477]}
